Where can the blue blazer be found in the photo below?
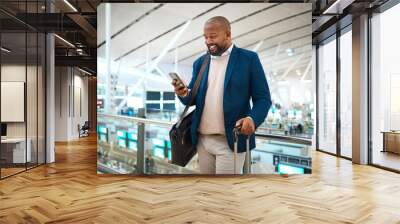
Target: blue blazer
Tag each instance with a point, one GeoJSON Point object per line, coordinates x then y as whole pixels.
{"type": "Point", "coordinates": [244, 80]}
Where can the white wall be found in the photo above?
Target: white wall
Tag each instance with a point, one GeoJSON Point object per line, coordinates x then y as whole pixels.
{"type": "Point", "coordinates": [61, 103]}
{"type": "Point", "coordinates": [80, 110]}
{"type": "Point", "coordinates": [71, 102]}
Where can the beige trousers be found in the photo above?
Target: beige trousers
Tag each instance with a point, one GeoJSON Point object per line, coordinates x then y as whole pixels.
{"type": "Point", "coordinates": [215, 156]}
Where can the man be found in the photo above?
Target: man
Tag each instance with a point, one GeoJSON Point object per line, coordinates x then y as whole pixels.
{"type": "Point", "coordinates": [231, 78]}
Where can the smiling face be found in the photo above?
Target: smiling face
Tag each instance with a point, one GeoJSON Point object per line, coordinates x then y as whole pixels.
{"type": "Point", "coordinates": [217, 36]}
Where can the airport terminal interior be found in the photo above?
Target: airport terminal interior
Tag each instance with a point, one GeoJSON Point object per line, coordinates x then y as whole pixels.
{"type": "Point", "coordinates": [86, 98]}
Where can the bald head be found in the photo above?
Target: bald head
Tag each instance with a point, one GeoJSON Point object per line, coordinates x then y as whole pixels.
{"type": "Point", "coordinates": [220, 21]}
{"type": "Point", "coordinates": [217, 34]}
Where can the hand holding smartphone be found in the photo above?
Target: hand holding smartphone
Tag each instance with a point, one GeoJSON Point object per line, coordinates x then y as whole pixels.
{"type": "Point", "coordinates": [180, 87]}
{"type": "Point", "coordinates": [177, 79]}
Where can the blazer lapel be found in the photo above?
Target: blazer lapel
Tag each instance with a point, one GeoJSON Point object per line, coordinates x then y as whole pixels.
{"type": "Point", "coordinates": [230, 67]}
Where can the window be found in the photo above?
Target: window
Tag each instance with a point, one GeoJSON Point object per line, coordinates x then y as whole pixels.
{"type": "Point", "coordinates": [23, 73]}
{"type": "Point", "coordinates": [346, 92]}
{"type": "Point", "coordinates": [327, 95]}
{"type": "Point", "coordinates": [385, 87]}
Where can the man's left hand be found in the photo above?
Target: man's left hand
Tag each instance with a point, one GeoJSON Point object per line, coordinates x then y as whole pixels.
{"type": "Point", "coordinates": [247, 126]}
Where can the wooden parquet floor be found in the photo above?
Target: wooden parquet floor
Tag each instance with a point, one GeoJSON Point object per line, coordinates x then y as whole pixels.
{"type": "Point", "coordinates": [70, 191]}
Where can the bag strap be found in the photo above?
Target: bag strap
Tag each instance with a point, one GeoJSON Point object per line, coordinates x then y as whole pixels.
{"type": "Point", "coordinates": [195, 87]}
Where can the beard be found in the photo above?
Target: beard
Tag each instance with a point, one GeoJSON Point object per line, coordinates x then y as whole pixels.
{"type": "Point", "coordinates": [215, 49]}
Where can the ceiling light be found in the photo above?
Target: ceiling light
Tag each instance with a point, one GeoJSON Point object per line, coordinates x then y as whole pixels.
{"type": "Point", "coordinates": [298, 72]}
{"type": "Point", "coordinates": [333, 6]}
{"type": "Point", "coordinates": [5, 50]}
{"type": "Point", "coordinates": [64, 40]}
{"type": "Point", "coordinates": [338, 6]}
{"type": "Point", "coordinates": [258, 45]}
{"type": "Point", "coordinates": [84, 71]}
{"type": "Point", "coordinates": [70, 5]}
{"type": "Point", "coordinates": [290, 51]}
{"type": "Point", "coordinates": [43, 7]}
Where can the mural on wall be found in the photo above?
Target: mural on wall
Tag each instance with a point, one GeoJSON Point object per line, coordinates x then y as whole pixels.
{"type": "Point", "coordinates": [137, 104]}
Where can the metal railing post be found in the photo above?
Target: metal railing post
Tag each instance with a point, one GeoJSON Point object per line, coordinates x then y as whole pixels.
{"type": "Point", "coordinates": [140, 144]}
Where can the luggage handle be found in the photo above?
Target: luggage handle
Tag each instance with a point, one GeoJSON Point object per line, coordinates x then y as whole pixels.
{"type": "Point", "coordinates": [236, 133]}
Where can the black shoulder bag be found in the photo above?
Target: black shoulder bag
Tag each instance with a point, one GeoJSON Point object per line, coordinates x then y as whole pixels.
{"type": "Point", "coordinates": [182, 149]}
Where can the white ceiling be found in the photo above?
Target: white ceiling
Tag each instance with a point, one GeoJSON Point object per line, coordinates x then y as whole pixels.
{"type": "Point", "coordinates": [150, 27]}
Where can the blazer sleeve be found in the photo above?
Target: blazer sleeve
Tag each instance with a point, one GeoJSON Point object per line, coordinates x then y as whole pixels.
{"type": "Point", "coordinates": [185, 100]}
{"type": "Point", "coordinates": [260, 94]}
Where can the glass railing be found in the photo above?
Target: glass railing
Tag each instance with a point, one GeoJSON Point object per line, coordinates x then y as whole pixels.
{"type": "Point", "coordinates": [135, 145]}
{"type": "Point", "coordinates": [292, 130]}
{"type": "Point", "coordinates": [281, 154]}
{"type": "Point", "coordinates": [287, 127]}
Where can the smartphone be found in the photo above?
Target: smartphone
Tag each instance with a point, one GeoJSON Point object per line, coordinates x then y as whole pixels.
{"type": "Point", "coordinates": [173, 76]}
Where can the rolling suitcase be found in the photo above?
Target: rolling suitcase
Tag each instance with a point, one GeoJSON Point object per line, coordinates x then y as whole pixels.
{"type": "Point", "coordinates": [247, 162]}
